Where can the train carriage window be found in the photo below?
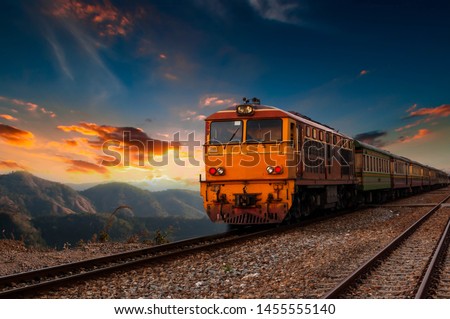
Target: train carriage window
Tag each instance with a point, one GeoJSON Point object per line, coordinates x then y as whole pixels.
{"type": "Point", "coordinates": [328, 137]}
{"type": "Point", "coordinates": [308, 131]}
{"type": "Point", "coordinates": [321, 135]}
{"type": "Point", "coordinates": [334, 139]}
{"type": "Point", "coordinates": [314, 133]}
{"type": "Point", "coordinates": [226, 132]}
{"type": "Point", "coordinates": [267, 130]}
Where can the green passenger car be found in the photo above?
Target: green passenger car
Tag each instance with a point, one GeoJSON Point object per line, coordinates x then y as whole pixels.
{"type": "Point", "coordinates": [372, 167]}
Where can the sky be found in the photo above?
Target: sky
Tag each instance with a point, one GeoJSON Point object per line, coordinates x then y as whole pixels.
{"type": "Point", "coordinates": [82, 81]}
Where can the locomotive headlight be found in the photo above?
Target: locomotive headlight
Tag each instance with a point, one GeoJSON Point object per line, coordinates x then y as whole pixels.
{"type": "Point", "coordinates": [274, 170]}
{"type": "Point", "coordinates": [244, 109]}
{"type": "Point", "coordinates": [220, 170]}
{"type": "Point", "coordinates": [216, 171]}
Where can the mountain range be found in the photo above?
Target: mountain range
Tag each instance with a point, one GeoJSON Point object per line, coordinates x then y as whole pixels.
{"type": "Point", "coordinates": [29, 205]}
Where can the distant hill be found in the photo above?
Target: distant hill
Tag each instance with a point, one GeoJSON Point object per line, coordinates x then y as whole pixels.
{"type": "Point", "coordinates": [168, 203]}
{"type": "Point", "coordinates": [25, 193]}
{"type": "Point", "coordinates": [42, 212]}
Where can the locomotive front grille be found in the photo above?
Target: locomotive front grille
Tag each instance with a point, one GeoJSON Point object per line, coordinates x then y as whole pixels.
{"type": "Point", "coordinates": [246, 200]}
{"type": "Point", "coordinates": [247, 219]}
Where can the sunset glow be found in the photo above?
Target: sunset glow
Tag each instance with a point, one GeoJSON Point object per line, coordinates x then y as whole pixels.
{"type": "Point", "coordinates": [118, 91]}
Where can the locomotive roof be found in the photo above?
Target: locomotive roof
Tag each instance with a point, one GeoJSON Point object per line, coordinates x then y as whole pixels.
{"type": "Point", "coordinates": [272, 111]}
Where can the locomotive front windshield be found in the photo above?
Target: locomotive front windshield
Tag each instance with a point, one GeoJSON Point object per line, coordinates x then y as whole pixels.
{"type": "Point", "coordinates": [226, 132]}
{"type": "Point", "coordinates": [264, 130]}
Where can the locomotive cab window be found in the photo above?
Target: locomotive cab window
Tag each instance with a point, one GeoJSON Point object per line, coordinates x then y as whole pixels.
{"type": "Point", "coordinates": [226, 132]}
{"type": "Point", "coordinates": [264, 130]}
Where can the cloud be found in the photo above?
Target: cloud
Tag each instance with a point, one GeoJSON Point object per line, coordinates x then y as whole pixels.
{"type": "Point", "coordinates": [8, 117]}
{"type": "Point", "coordinates": [71, 142]}
{"type": "Point", "coordinates": [31, 107]}
{"type": "Point", "coordinates": [363, 72]}
{"type": "Point", "coordinates": [80, 166]}
{"type": "Point", "coordinates": [215, 101]}
{"type": "Point", "coordinates": [12, 165]}
{"type": "Point", "coordinates": [15, 136]}
{"type": "Point", "coordinates": [372, 138]}
{"type": "Point", "coordinates": [277, 10]}
{"type": "Point", "coordinates": [412, 108]}
{"type": "Point", "coordinates": [408, 126]}
{"type": "Point", "coordinates": [189, 115]}
{"type": "Point", "coordinates": [419, 135]}
{"type": "Point", "coordinates": [120, 144]}
{"type": "Point", "coordinates": [106, 18]}
{"type": "Point", "coordinates": [170, 76]}
{"type": "Point", "coordinates": [439, 111]}
{"type": "Point", "coordinates": [425, 115]}
{"type": "Point", "coordinates": [59, 53]}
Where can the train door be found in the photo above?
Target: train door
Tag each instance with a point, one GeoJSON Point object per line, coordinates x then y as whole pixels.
{"type": "Point", "coordinates": [294, 160]}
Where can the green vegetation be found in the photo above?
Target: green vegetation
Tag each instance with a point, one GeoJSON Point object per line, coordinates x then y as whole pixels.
{"type": "Point", "coordinates": [41, 212]}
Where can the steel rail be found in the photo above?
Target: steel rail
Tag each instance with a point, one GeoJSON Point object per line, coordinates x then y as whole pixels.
{"type": "Point", "coordinates": [120, 263]}
{"type": "Point", "coordinates": [383, 253]}
{"type": "Point", "coordinates": [241, 234]}
{"type": "Point", "coordinates": [60, 270]}
{"type": "Point", "coordinates": [423, 290]}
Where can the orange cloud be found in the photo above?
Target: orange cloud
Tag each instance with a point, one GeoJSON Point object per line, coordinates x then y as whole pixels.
{"type": "Point", "coordinates": [12, 165]}
{"type": "Point", "coordinates": [409, 126]}
{"type": "Point", "coordinates": [107, 18]}
{"type": "Point", "coordinates": [439, 111]}
{"type": "Point", "coordinates": [420, 134]}
{"type": "Point", "coordinates": [71, 142]}
{"type": "Point", "coordinates": [120, 143]}
{"type": "Point", "coordinates": [80, 166]}
{"type": "Point", "coordinates": [90, 129]}
{"type": "Point", "coordinates": [8, 117]}
{"type": "Point", "coordinates": [15, 136]}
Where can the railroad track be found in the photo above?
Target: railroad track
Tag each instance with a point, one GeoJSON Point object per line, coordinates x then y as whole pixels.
{"type": "Point", "coordinates": [436, 282]}
{"type": "Point", "coordinates": [28, 283]}
{"type": "Point", "coordinates": [400, 269]}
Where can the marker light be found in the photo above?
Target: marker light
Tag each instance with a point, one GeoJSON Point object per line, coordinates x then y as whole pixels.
{"type": "Point", "coordinates": [278, 169]}
{"type": "Point", "coordinates": [274, 170]}
{"type": "Point", "coordinates": [216, 171]}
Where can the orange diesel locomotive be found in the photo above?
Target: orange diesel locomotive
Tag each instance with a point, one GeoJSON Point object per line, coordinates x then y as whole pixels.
{"type": "Point", "coordinates": [265, 165]}
{"type": "Point", "coordinates": [256, 172]}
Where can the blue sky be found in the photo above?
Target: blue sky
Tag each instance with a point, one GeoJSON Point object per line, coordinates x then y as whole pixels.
{"type": "Point", "coordinates": [72, 72]}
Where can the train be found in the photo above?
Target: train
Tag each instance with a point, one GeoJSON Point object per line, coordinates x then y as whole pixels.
{"type": "Point", "coordinates": [264, 165]}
